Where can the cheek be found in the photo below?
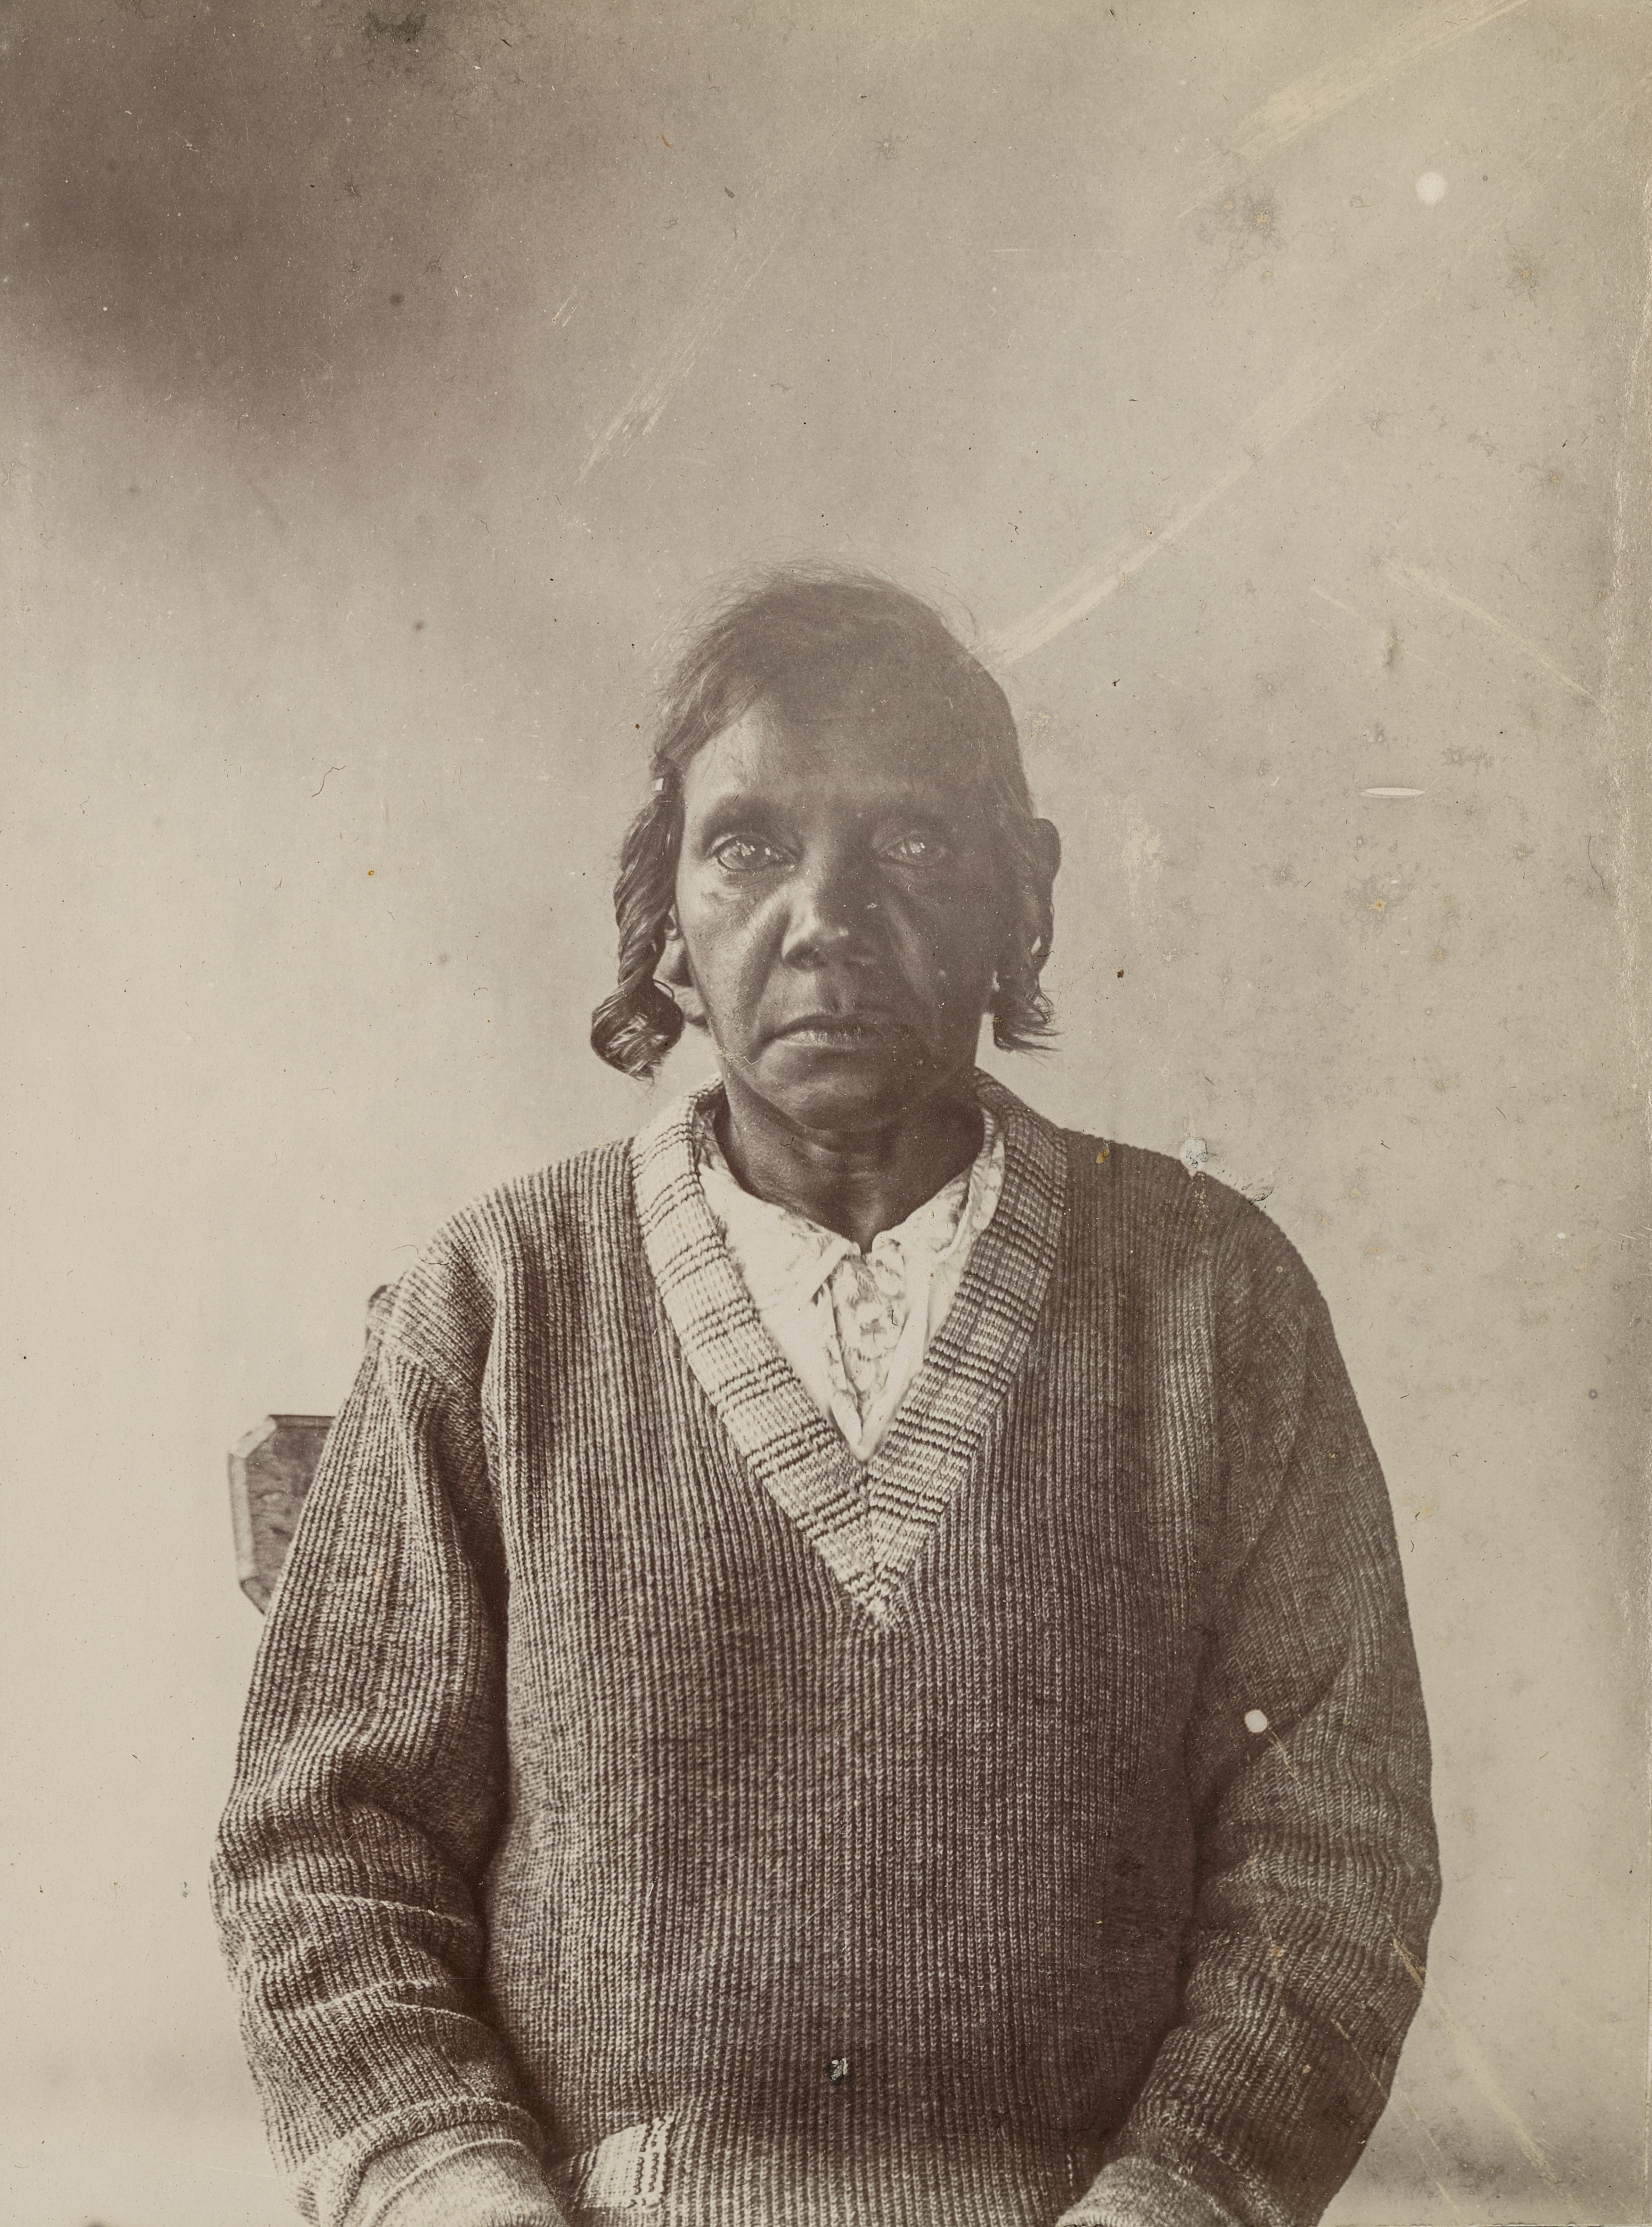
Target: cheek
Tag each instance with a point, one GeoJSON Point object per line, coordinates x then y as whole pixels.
{"type": "Point", "coordinates": [720, 932]}
{"type": "Point", "coordinates": [953, 953]}
{"type": "Point", "coordinates": [965, 927]}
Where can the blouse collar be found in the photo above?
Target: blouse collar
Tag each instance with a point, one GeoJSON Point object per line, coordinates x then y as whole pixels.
{"type": "Point", "coordinates": [785, 1257]}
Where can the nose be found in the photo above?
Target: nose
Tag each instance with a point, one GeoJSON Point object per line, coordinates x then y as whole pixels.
{"type": "Point", "coordinates": [832, 916]}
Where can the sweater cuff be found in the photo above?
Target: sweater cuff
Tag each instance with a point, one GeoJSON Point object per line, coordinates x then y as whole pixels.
{"type": "Point", "coordinates": [478, 2179]}
{"type": "Point", "coordinates": [1134, 2191]}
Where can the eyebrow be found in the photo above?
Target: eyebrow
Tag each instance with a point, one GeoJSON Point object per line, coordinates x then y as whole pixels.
{"type": "Point", "coordinates": [900, 796]}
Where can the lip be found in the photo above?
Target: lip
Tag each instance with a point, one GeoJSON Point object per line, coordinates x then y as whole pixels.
{"type": "Point", "coordinates": [838, 1028]}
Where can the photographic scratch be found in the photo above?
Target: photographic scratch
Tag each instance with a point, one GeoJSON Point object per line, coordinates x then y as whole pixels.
{"type": "Point", "coordinates": [742, 261]}
{"type": "Point", "coordinates": [1325, 597]}
{"type": "Point", "coordinates": [1393, 792]}
{"type": "Point", "coordinates": [1282, 415]}
{"type": "Point", "coordinates": [1479, 2071]}
{"type": "Point", "coordinates": [1384, 630]}
{"type": "Point", "coordinates": [1288, 410]}
{"type": "Point", "coordinates": [1306, 101]}
{"type": "Point", "coordinates": [1418, 579]}
{"type": "Point", "coordinates": [1417, 2129]}
{"type": "Point", "coordinates": [645, 405]}
{"type": "Point", "coordinates": [1097, 582]}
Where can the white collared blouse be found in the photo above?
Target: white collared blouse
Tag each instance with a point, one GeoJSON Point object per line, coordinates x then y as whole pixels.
{"type": "Point", "coordinates": [854, 1325]}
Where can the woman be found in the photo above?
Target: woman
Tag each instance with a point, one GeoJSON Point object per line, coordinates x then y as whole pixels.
{"type": "Point", "coordinates": [846, 1661]}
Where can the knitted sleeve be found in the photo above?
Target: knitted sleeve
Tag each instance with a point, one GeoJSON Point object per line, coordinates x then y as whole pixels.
{"type": "Point", "coordinates": [366, 1799]}
{"type": "Point", "coordinates": [1308, 1765]}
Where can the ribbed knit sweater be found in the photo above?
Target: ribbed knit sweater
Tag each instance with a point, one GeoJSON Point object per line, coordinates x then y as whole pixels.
{"type": "Point", "coordinates": [646, 1813]}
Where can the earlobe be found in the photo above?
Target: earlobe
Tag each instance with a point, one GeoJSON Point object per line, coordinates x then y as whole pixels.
{"type": "Point", "coordinates": [672, 966]}
{"type": "Point", "coordinates": [671, 971]}
{"type": "Point", "coordinates": [1036, 925]}
{"type": "Point", "coordinates": [1048, 853]}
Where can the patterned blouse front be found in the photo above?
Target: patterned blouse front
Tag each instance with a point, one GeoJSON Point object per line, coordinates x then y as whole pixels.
{"type": "Point", "coordinates": [854, 1325]}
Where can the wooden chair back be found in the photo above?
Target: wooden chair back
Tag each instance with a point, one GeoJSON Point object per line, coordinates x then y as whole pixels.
{"type": "Point", "coordinates": [271, 1471]}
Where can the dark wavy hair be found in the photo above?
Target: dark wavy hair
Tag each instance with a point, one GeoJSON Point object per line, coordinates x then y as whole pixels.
{"type": "Point", "coordinates": [797, 633]}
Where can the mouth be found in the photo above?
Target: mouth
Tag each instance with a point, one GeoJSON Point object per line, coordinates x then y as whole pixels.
{"type": "Point", "coordinates": [841, 1031]}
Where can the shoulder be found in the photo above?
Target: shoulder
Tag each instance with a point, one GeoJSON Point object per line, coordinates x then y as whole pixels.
{"type": "Point", "coordinates": [1205, 1283]}
{"type": "Point", "coordinates": [1180, 1247]}
{"type": "Point", "coordinates": [1147, 1212]}
{"type": "Point", "coordinates": [1155, 1199]}
{"type": "Point", "coordinates": [524, 1239]}
{"type": "Point", "coordinates": [543, 1209]}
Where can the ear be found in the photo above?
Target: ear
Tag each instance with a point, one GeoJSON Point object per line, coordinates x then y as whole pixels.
{"type": "Point", "coordinates": [1035, 923]}
{"type": "Point", "coordinates": [674, 970]}
{"type": "Point", "coordinates": [672, 966]}
{"type": "Point", "coordinates": [1049, 853]}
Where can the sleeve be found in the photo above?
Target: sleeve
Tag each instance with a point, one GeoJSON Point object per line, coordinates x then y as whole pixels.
{"type": "Point", "coordinates": [368, 1796]}
{"type": "Point", "coordinates": [1308, 1767]}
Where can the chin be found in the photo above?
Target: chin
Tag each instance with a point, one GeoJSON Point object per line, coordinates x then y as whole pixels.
{"type": "Point", "coordinates": [825, 1089]}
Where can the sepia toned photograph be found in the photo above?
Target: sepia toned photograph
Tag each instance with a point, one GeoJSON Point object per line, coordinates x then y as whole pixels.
{"type": "Point", "coordinates": [829, 1200]}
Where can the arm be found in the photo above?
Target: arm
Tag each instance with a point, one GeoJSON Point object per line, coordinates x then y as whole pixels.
{"type": "Point", "coordinates": [366, 1799]}
{"type": "Point", "coordinates": [1318, 1876]}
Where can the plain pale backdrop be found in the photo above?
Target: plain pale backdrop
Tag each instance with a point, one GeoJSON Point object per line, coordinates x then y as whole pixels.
{"type": "Point", "coordinates": [1262, 386]}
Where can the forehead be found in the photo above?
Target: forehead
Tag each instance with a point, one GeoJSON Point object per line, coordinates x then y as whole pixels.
{"type": "Point", "coordinates": [860, 744]}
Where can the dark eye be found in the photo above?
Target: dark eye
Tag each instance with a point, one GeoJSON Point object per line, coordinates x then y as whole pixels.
{"type": "Point", "coordinates": [746, 854]}
{"type": "Point", "coordinates": [916, 850]}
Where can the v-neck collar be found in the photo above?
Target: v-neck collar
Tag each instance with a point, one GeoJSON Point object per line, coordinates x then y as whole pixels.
{"type": "Point", "coordinates": [869, 1523]}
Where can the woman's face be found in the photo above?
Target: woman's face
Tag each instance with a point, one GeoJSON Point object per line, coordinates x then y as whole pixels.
{"type": "Point", "coordinates": [840, 907]}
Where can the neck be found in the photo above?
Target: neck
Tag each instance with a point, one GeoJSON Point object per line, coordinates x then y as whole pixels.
{"type": "Point", "coordinates": [858, 1183]}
